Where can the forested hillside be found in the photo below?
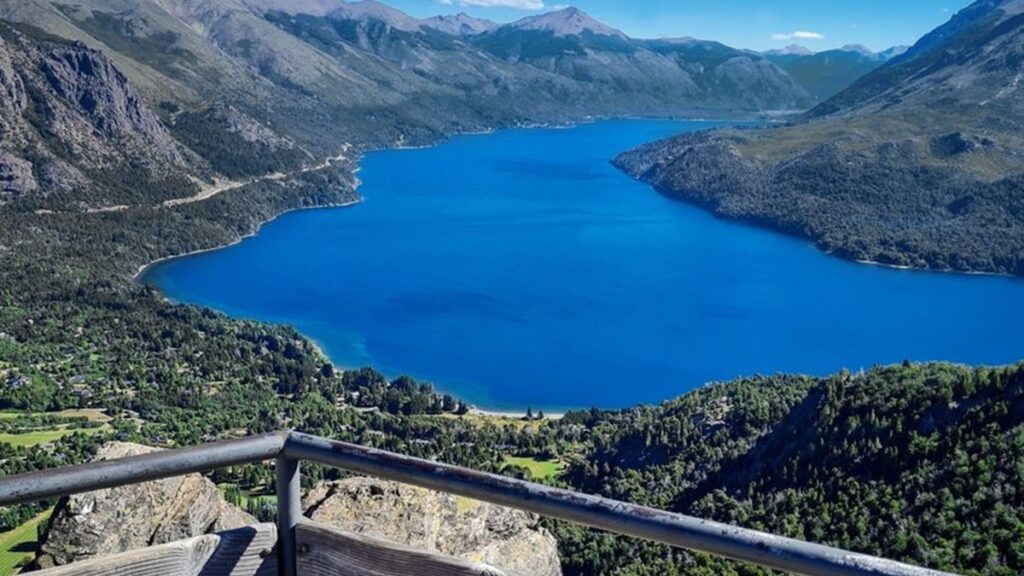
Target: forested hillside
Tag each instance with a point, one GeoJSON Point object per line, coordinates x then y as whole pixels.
{"type": "Point", "coordinates": [919, 462]}
{"type": "Point", "coordinates": [916, 164]}
{"type": "Point", "coordinates": [114, 108]}
{"type": "Point", "coordinates": [916, 462]}
{"type": "Point", "coordinates": [236, 89]}
{"type": "Point", "coordinates": [825, 74]}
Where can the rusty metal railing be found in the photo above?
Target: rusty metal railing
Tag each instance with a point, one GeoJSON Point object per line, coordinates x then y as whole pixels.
{"type": "Point", "coordinates": [289, 448]}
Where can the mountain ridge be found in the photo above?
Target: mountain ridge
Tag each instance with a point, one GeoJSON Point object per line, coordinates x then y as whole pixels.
{"type": "Point", "coordinates": [913, 462]}
{"type": "Point", "coordinates": [246, 90]}
{"type": "Point", "coordinates": [826, 73]}
{"type": "Point", "coordinates": [72, 121]}
{"type": "Point", "coordinates": [460, 24]}
{"type": "Point", "coordinates": [954, 35]}
{"type": "Point", "coordinates": [565, 22]}
{"type": "Point", "coordinates": [917, 164]}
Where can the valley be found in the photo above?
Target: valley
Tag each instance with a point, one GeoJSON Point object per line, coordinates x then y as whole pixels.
{"type": "Point", "coordinates": [133, 131]}
{"type": "Point", "coordinates": [534, 228]}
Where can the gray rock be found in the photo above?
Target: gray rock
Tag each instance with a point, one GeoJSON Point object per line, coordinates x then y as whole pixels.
{"type": "Point", "coordinates": [12, 90]}
{"type": "Point", "coordinates": [95, 89]}
{"type": "Point", "coordinates": [68, 116]}
{"type": "Point", "coordinates": [15, 175]}
{"type": "Point", "coordinates": [135, 516]}
{"type": "Point", "coordinates": [436, 522]}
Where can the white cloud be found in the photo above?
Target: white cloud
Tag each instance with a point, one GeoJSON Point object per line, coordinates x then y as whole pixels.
{"type": "Point", "coordinates": [799, 35]}
{"type": "Point", "coordinates": [515, 4]}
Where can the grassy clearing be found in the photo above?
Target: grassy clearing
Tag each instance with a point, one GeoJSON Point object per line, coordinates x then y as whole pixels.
{"type": "Point", "coordinates": [478, 420]}
{"type": "Point", "coordinates": [47, 434]}
{"type": "Point", "coordinates": [540, 470]}
{"type": "Point", "coordinates": [37, 437]}
{"type": "Point", "coordinates": [248, 496]}
{"type": "Point", "coordinates": [19, 545]}
{"type": "Point", "coordinates": [93, 414]}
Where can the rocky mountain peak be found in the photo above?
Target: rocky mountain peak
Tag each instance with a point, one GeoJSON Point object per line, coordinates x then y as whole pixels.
{"type": "Point", "coordinates": [312, 7]}
{"type": "Point", "coordinates": [85, 77]}
{"type": "Point", "coordinates": [969, 63]}
{"type": "Point", "coordinates": [792, 50]}
{"type": "Point", "coordinates": [893, 52]}
{"type": "Point", "coordinates": [566, 22]}
{"type": "Point", "coordinates": [460, 24]}
{"type": "Point", "coordinates": [367, 10]}
{"type": "Point", "coordinates": [965, 19]}
{"type": "Point", "coordinates": [69, 114]}
{"type": "Point", "coordinates": [859, 49]}
{"type": "Point", "coordinates": [679, 40]}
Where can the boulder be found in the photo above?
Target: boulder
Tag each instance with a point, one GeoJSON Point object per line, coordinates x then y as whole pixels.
{"type": "Point", "coordinates": [432, 521]}
{"type": "Point", "coordinates": [136, 516]}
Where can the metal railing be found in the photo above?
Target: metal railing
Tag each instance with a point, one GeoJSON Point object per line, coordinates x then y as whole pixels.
{"type": "Point", "coordinates": [289, 448]}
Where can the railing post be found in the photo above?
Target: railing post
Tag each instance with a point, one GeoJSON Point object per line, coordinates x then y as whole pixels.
{"type": "Point", "coordinates": [289, 511]}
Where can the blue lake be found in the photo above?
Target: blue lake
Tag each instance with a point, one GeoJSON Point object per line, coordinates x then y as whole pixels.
{"type": "Point", "coordinates": [521, 269]}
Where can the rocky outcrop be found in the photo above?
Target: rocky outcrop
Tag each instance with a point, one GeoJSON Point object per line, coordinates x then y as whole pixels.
{"type": "Point", "coordinates": [436, 522]}
{"type": "Point", "coordinates": [16, 175]}
{"type": "Point", "coordinates": [135, 516]}
{"type": "Point", "coordinates": [72, 128]}
{"type": "Point", "coordinates": [88, 81]}
{"type": "Point", "coordinates": [12, 91]}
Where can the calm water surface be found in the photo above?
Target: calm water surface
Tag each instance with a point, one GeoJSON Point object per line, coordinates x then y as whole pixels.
{"type": "Point", "coordinates": [520, 268]}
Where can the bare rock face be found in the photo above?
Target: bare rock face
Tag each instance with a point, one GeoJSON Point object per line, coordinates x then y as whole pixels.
{"type": "Point", "coordinates": [89, 87]}
{"type": "Point", "coordinates": [12, 90]}
{"type": "Point", "coordinates": [15, 175]}
{"type": "Point", "coordinates": [505, 538]}
{"type": "Point", "coordinates": [71, 125]}
{"type": "Point", "coordinates": [136, 516]}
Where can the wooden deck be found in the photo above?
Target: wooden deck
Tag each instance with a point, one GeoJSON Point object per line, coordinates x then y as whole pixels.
{"type": "Point", "coordinates": [249, 551]}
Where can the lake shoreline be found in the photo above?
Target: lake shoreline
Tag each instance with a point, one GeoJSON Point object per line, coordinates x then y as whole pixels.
{"type": "Point", "coordinates": [953, 271]}
{"type": "Point", "coordinates": [811, 240]}
{"type": "Point", "coordinates": [514, 406]}
{"type": "Point", "coordinates": [735, 116]}
{"type": "Point", "coordinates": [146, 267]}
{"type": "Point", "coordinates": [515, 414]}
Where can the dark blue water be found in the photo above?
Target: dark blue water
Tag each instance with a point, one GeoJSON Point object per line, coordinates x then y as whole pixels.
{"type": "Point", "coordinates": [520, 268]}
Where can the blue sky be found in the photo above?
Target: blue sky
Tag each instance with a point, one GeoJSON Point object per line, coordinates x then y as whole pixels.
{"type": "Point", "coordinates": [755, 24]}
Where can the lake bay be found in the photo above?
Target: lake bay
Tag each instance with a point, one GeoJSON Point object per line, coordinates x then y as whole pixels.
{"type": "Point", "coordinates": [521, 269]}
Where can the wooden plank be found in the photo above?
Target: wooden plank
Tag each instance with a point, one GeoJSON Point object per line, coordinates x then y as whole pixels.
{"type": "Point", "coordinates": [245, 551]}
{"type": "Point", "coordinates": [185, 557]}
{"type": "Point", "coordinates": [241, 552]}
{"type": "Point", "coordinates": [326, 551]}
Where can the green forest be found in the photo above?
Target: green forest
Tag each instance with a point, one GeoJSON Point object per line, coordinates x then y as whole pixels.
{"type": "Point", "coordinates": [918, 462]}
{"type": "Point", "coordinates": [923, 463]}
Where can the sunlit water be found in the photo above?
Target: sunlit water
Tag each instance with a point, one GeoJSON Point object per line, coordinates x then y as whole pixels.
{"type": "Point", "coordinates": [521, 269]}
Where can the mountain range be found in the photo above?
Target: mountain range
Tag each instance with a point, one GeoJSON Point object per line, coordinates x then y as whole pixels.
{"type": "Point", "coordinates": [235, 89]}
{"type": "Point", "coordinates": [112, 108]}
{"type": "Point", "coordinates": [919, 163]}
{"type": "Point", "coordinates": [119, 104]}
{"type": "Point", "coordinates": [825, 74]}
